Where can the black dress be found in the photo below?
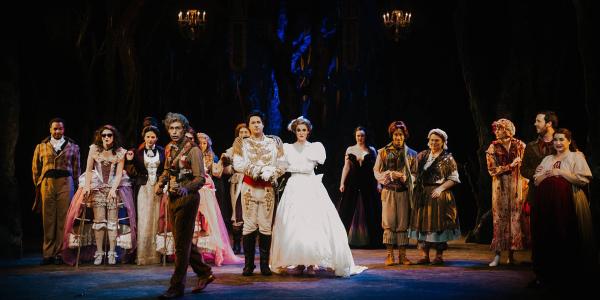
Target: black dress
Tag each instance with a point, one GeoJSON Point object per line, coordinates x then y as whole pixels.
{"type": "Point", "coordinates": [359, 206]}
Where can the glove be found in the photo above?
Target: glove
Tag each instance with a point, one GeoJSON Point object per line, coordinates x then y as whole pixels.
{"type": "Point", "coordinates": [267, 173]}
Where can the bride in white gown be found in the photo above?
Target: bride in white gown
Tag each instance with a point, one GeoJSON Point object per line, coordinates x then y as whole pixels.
{"type": "Point", "coordinates": [308, 230]}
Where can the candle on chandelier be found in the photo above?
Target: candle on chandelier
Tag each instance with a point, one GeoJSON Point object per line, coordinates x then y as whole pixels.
{"type": "Point", "coordinates": [180, 14]}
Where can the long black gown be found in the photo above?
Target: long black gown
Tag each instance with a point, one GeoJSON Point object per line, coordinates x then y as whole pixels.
{"type": "Point", "coordinates": [359, 206]}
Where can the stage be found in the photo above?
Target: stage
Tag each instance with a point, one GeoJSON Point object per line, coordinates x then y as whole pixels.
{"type": "Point", "coordinates": [465, 275]}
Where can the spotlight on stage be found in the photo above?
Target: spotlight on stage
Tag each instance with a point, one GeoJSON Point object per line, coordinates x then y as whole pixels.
{"type": "Point", "coordinates": [192, 23]}
{"type": "Point", "coordinates": [398, 23]}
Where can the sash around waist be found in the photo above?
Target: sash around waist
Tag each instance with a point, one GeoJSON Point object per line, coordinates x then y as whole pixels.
{"type": "Point", "coordinates": [256, 182]}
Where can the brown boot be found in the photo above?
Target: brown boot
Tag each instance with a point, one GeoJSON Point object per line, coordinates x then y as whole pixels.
{"type": "Point", "coordinates": [202, 283]}
{"type": "Point", "coordinates": [390, 259]}
{"type": "Point", "coordinates": [402, 259]}
{"type": "Point", "coordinates": [425, 259]}
{"type": "Point", "coordinates": [439, 259]}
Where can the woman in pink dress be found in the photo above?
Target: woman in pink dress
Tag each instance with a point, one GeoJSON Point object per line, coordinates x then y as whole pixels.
{"type": "Point", "coordinates": [210, 233]}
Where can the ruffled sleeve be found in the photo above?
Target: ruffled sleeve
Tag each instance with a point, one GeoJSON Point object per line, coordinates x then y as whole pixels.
{"type": "Point", "coordinates": [316, 153]}
{"type": "Point", "coordinates": [121, 154]}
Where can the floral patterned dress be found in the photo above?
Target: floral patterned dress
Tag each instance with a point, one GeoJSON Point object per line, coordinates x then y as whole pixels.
{"type": "Point", "coordinates": [509, 190]}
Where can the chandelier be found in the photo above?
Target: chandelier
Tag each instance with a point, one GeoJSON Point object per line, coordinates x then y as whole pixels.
{"type": "Point", "coordinates": [398, 22]}
{"type": "Point", "coordinates": [192, 23]}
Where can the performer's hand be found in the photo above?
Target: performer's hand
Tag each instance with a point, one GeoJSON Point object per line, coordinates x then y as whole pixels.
{"type": "Point", "coordinates": [112, 194]}
{"type": "Point", "coordinates": [437, 192]}
{"type": "Point", "coordinates": [129, 155]}
{"type": "Point", "coordinates": [556, 172]}
{"type": "Point", "coordinates": [86, 190]}
{"type": "Point", "coordinates": [182, 191]}
{"type": "Point", "coordinates": [158, 189]}
{"type": "Point", "coordinates": [342, 187]}
{"type": "Point", "coordinates": [539, 169]}
{"type": "Point", "coordinates": [267, 172]}
{"type": "Point", "coordinates": [402, 177]}
{"type": "Point", "coordinates": [516, 162]}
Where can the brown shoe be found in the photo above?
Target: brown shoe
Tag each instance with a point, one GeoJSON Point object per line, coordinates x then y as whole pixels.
{"type": "Point", "coordinates": [172, 293]}
{"type": "Point", "coordinates": [402, 259]}
{"type": "Point", "coordinates": [389, 260]}
{"type": "Point", "coordinates": [310, 271]}
{"type": "Point", "coordinates": [438, 261]}
{"type": "Point", "coordinates": [423, 261]}
{"type": "Point", "coordinates": [202, 283]}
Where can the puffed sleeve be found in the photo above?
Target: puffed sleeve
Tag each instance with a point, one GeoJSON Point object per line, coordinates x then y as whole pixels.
{"type": "Point", "coordinates": [316, 153]}
{"type": "Point", "coordinates": [581, 169]}
{"type": "Point", "coordinates": [121, 154]}
{"type": "Point", "coordinates": [452, 169]}
{"type": "Point", "coordinates": [240, 162]}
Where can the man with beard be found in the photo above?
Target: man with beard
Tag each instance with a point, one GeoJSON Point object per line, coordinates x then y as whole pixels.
{"type": "Point", "coordinates": [184, 174]}
{"type": "Point", "coordinates": [545, 124]}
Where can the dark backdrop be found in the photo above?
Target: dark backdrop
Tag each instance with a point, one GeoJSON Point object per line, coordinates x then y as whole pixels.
{"type": "Point", "coordinates": [462, 65]}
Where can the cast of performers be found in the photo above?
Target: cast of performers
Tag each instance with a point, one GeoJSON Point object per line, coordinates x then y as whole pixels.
{"type": "Point", "coordinates": [395, 168]}
{"type": "Point", "coordinates": [360, 207]}
{"type": "Point", "coordinates": [434, 218]}
{"type": "Point", "coordinates": [185, 175]}
{"type": "Point", "coordinates": [260, 158]}
{"type": "Point", "coordinates": [307, 231]}
{"type": "Point", "coordinates": [509, 189]}
{"type": "Point", "coordinates": [144, 165]}
{"type": "Point", "coordinates": [105, 190]}
{"type": "Point", "coordinates": [562, 215]}
{"type": "Point", "coordinates": [55, 169]}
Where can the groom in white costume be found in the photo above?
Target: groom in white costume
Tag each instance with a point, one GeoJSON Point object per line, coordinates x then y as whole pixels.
{"type": "Point", "coordinates": [260, 158]}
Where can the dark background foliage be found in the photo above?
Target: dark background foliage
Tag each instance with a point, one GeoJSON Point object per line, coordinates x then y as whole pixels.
{"type": "Point", "coordinates": [463, 64]}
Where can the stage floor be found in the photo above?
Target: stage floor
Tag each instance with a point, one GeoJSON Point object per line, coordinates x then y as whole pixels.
{"type": "Point", "coordinates": [465, 275]}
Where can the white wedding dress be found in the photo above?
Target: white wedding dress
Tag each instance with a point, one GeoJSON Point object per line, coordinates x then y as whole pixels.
{"type": "Point", "coordinates": [308, 229]}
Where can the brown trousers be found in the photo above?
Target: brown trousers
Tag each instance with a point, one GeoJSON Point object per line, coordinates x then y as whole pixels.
{"type": "Point", "coordinates": [182, 213]}
{"type": "Point", "coordinates": [56, 195]}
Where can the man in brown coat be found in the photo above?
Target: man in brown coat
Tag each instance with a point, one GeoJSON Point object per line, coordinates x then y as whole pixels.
{"type": "Point", "coordinates": [55, 169]}
{"type": "Point", "coordinates": [184, 175]}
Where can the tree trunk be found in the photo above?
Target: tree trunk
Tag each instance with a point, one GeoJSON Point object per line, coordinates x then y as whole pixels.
{"type": "Point", "coordinates": [11, 233]}
{"type": "Point", "coordinates": [587, 33]}
{"type": "Point", "coordinates": [483, 195]}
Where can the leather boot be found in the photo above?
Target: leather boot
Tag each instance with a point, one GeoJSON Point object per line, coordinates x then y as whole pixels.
{"type": "Point", "coordinates": [389, 259]}
{"type": "Point", "coordinates": [202, 283]}
{"type": "Point", "coordinates": [172, 293]}
{"type": "Point", "coordinates": [402, 259]}
{"type": "Point", "coordinates": [264, 244]}
{"type": "Point", "coordinates": [237, 239]}
{"type": "Point", "coordinates": [249, 244]}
